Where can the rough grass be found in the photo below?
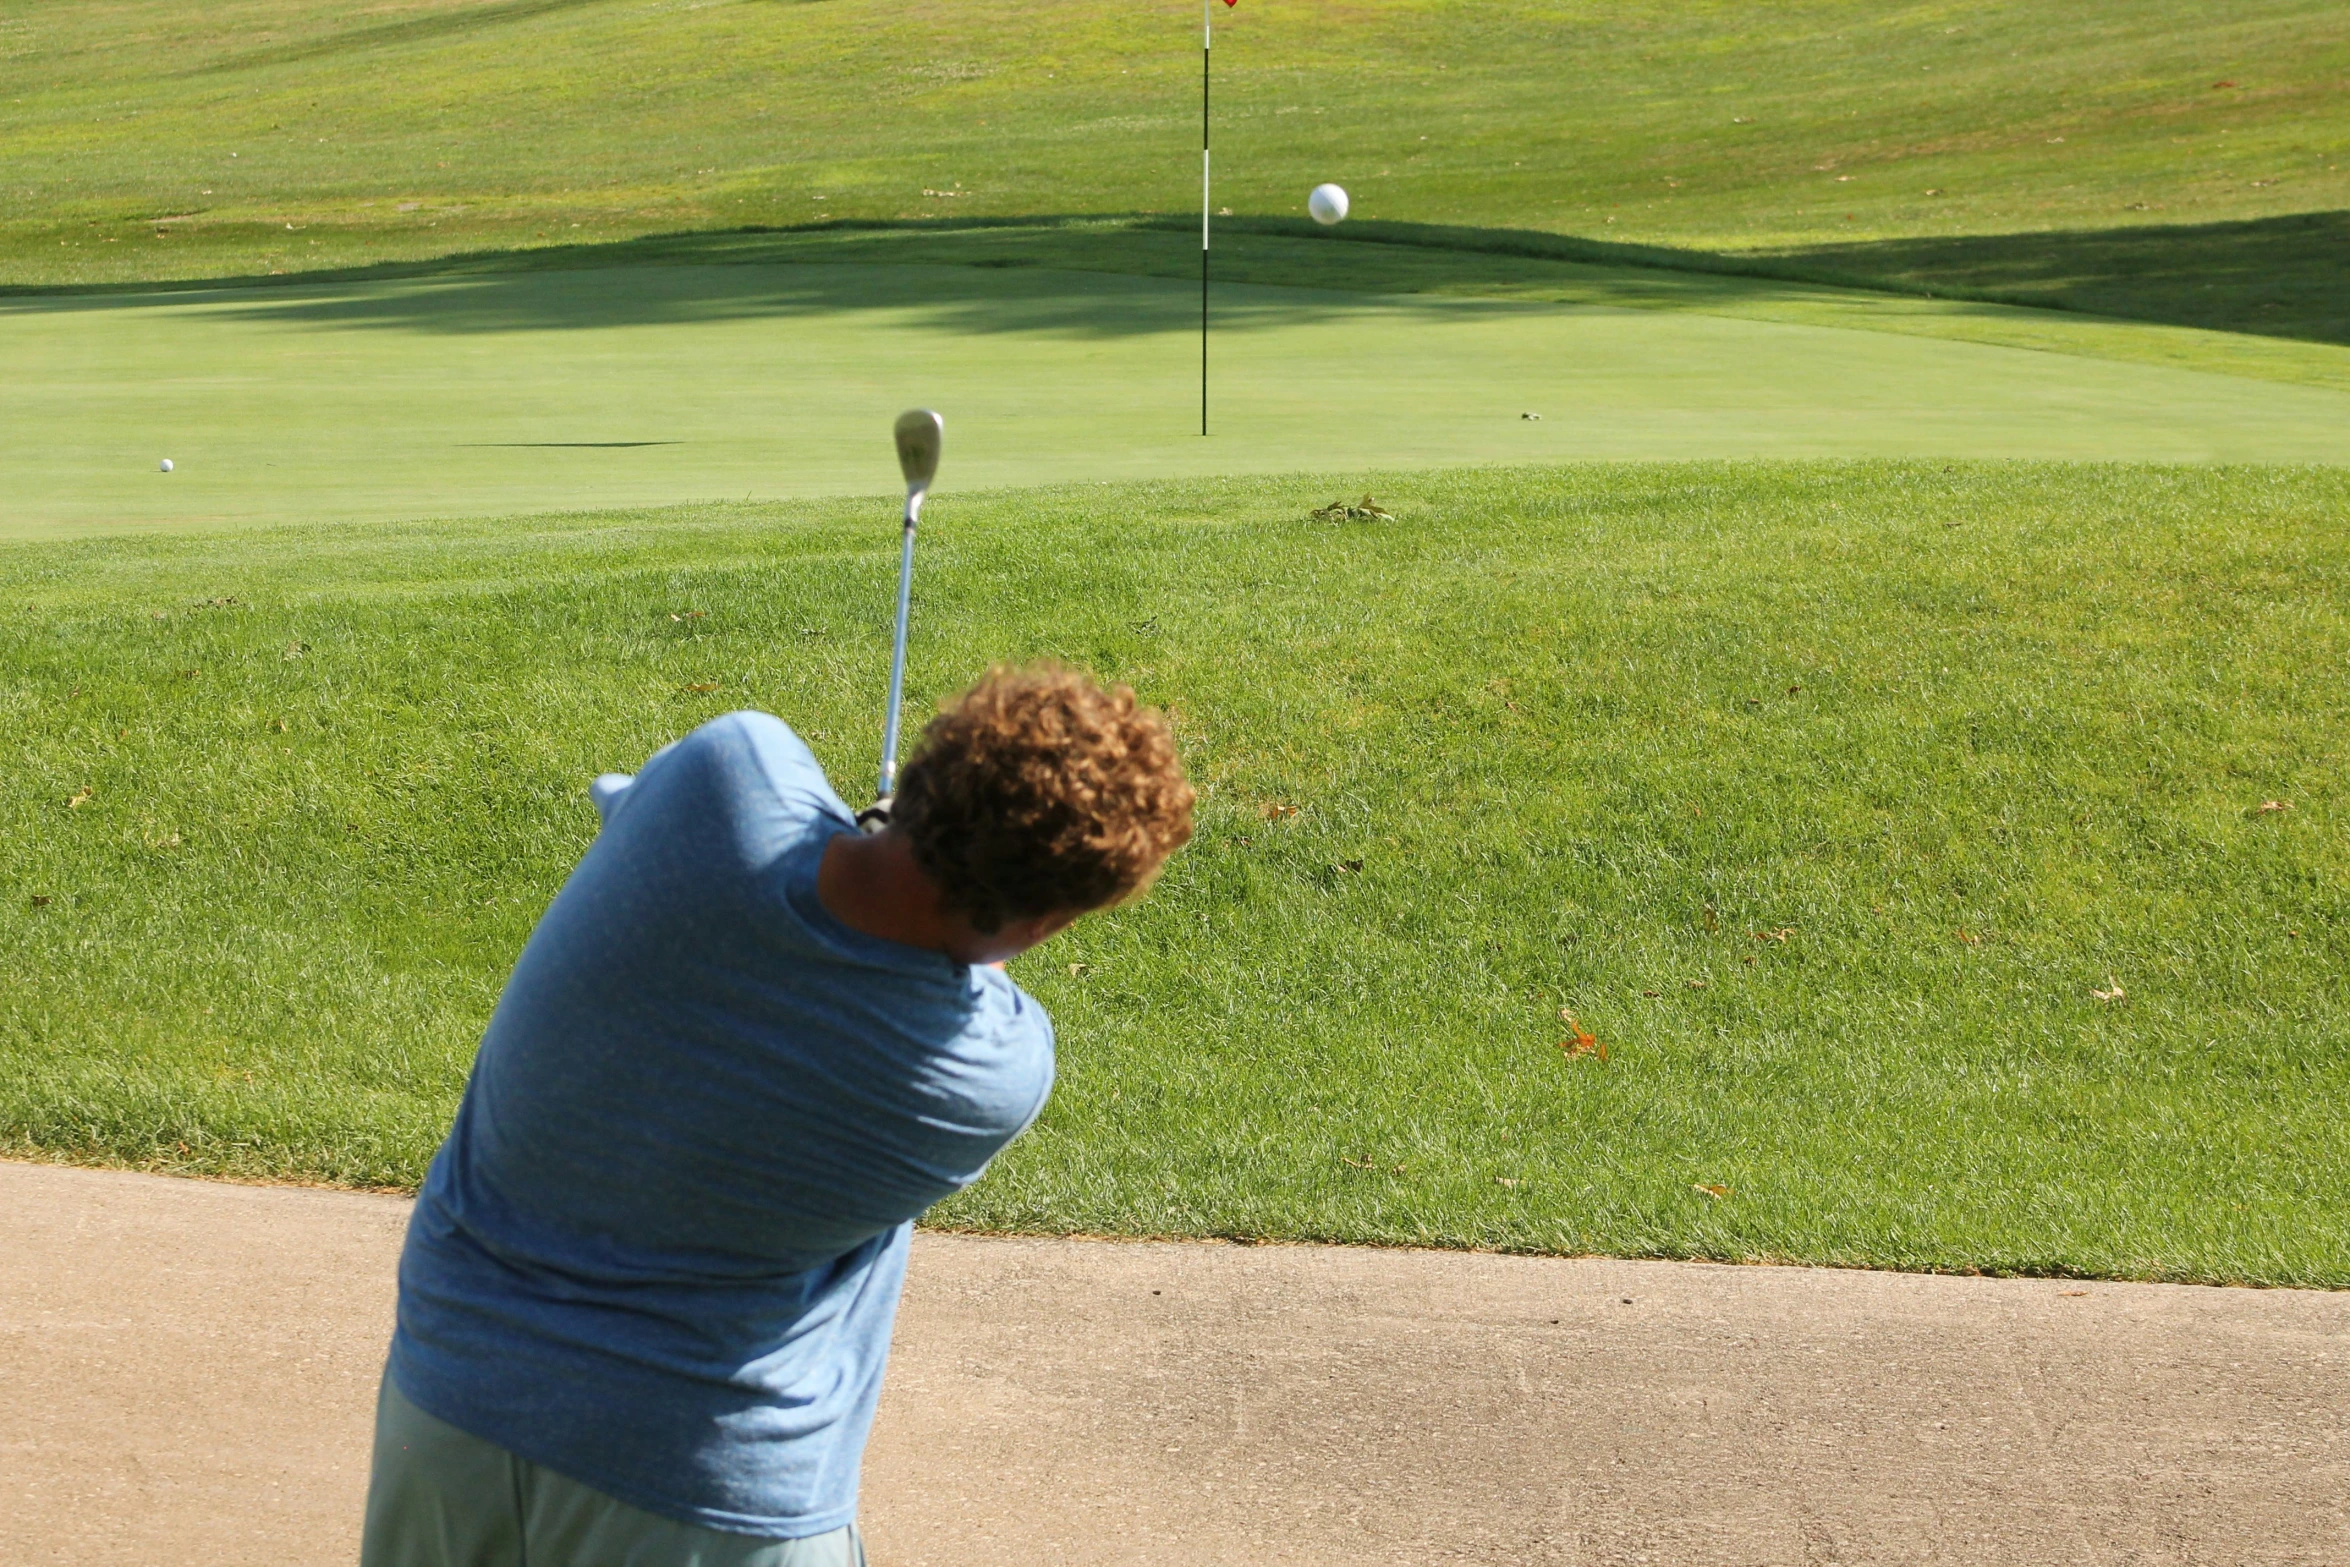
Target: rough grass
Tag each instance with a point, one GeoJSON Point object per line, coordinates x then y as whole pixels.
{"type": "Point", "coordinates": [2117, 157]}
{"type": "Point", "coordinates": [1826, 797]}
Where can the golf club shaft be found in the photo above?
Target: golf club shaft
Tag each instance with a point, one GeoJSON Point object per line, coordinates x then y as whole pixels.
{"type": "Point", "coordinates": [897, 663]}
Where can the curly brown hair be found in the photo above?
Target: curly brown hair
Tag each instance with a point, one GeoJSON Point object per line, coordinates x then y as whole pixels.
{"type": "Point", "coordinates": [1038, 792]}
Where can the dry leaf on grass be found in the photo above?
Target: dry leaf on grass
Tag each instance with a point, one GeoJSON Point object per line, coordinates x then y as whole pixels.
{"type": "Point", "coordinates": [2111, 995]}
{"type": "Point", "coordinates": [1579, 1041]}
{"type": "Point", "coordinates": [702, 685]}
{"type": "Point", "coordinates": [2271, 807]}
{"type": "Point", "coordinates": [1364, 510]}
{"type": "Point", "coordinates": [81, 797]}
{"type": "Point", "coordinates": [691, 614]}
{"type": "Point", "coordinates": [1781, 935]}
{"type": "Point", "coordinates": [40, 900]}
{"type": "Point", "coordinates": [1969, 937]}
{"type": "Point", "coordinates": [1715, 1192]}
{"type": "Point", "coordinates": [1276, 810]}
{"type": "Point", "coordinates": [1503, 1180]}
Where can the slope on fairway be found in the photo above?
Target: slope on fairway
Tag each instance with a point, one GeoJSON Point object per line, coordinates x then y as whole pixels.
{"type": "Point", "coordinates": [505, 392]}
{"type": "Point", "coordinates": [156, 138]}
{"type": "Point", "coordinates": [1898, 829]}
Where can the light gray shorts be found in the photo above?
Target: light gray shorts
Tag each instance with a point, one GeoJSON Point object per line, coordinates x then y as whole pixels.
{"type": "Point", "coordinates": [441, 1497]}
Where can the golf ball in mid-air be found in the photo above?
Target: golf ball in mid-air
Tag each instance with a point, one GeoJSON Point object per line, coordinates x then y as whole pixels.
{"type": "Point", "coordinates": [167, 465]}
{"type": "Point", "coordinates": [1327, 203]}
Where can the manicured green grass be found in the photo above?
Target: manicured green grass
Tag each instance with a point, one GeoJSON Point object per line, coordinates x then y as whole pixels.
{"type": "Point", "coordinates": [2159, 142]}
{"type": "Point", "coordinates": [503, 390]}
{"type": "Point", "coordinates": [1825, 796]}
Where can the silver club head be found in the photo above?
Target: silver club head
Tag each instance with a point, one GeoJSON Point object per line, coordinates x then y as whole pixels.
{"type": "Point", "coordinates": [920, 433]}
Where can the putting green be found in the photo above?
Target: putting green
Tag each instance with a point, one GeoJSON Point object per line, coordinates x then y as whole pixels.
{"type": "Point", "coordinates": [516, 392]}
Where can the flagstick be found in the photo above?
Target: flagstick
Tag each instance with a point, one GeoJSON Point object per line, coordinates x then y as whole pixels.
{"type": "Point", "coordinates": [1207, 14]}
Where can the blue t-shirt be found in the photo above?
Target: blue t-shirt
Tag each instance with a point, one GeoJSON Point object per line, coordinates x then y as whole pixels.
{"type": "Point", "coordinates": [661, 1250]}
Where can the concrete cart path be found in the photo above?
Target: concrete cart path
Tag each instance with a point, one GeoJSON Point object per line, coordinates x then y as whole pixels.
{"type": "Point", "coordinates": [187, 1373]}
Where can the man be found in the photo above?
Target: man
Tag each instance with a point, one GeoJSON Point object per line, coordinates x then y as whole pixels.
{"type": "Point", "coordinates": [648, 1286]}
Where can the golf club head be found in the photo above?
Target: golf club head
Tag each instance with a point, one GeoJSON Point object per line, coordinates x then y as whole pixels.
{"type": "Point", "coordinates": [920, 434]}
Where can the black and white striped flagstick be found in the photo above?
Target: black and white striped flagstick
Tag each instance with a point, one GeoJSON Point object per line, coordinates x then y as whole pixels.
{"type": "Point", "coordinates": [1206, 51]}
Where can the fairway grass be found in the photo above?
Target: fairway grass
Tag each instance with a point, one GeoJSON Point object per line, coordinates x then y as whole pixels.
{"type": "Point", "coordinates": [2117, 157]}
{"type": "Point", "coordinates": [498, 390]}
{"type": "Point", "coordinates": [1827, 798]}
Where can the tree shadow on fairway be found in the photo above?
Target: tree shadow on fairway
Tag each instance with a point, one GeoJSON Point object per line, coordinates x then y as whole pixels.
{"type": "Point", "coordinates": [989, 283]}
{"type": "Point", "coordinates": [369, 37]}
{"type": "Point", "coordinates": [2276, 277]}
{"type": "Point", "coordinates": [1081, 277]}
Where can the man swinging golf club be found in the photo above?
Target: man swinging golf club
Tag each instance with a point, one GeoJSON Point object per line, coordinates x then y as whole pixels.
{"type": "Point", "coordinates": [649, 1283]}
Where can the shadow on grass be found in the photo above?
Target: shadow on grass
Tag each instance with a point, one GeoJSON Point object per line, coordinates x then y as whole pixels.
{"type": "Point", "coordinates": [430, 28]}
{"type": "Point", "coordinates": [1091, 280]}
{"type": "Point", "coordinates": [2277, 277]}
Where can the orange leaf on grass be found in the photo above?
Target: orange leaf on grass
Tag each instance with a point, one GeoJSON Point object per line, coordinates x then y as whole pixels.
{"type": "Point", "coordinates": [1581, 1043]}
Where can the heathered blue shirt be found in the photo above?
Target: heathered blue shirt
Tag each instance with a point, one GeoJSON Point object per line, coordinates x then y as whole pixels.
{"type": "Point", "coordinates": [661, 1250]}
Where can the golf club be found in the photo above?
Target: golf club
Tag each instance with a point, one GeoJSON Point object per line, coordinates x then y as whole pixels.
{"type": "Point", "coordinates": [920, 433]}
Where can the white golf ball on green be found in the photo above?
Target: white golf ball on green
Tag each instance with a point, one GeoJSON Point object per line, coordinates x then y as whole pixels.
{"type": "Point", "coordinates": [167, 465]}
{"type": "Point", "coordinates": [1327, 204]}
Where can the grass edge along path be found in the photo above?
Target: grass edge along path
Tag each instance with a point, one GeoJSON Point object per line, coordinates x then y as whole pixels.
{"type": "Point", "coordinates": [1897, 828]}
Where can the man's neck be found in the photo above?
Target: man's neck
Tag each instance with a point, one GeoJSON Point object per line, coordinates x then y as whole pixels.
{"type": "Point", "coordinates": [870, 883]}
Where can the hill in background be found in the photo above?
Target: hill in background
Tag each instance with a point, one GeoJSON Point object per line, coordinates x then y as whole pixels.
{"type": "Point", "coordinates": [2156, 159]}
